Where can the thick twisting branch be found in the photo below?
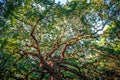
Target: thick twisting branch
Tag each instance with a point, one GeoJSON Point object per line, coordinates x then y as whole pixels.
{"type": "Point", "coordinates": [51, 52]}
{"type": "Point", "coordinates": [63, 50]}
{"type": "Point", "coordinates": [66, 44]}
{"type": "Point", "coordinates": [34, 38]}
{"type": "Point", "coordinates": [32, 34]}
{"type": "Point", "coordinates": [38, 54]}
{"type": "Point", "coordinates": [73, 40]}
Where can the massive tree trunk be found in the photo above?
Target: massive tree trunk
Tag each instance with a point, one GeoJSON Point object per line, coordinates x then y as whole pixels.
{"type": "Point", "coordinates": [56, 73]}
{"type": "Point", "coordinates": [56, 76]}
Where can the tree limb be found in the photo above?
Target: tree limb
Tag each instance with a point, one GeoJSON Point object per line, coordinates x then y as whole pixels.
{"type": "Point", "coordinates": [74, 71]}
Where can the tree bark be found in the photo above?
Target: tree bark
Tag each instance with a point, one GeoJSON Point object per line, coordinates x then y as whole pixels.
{"type": "Point", "coordinates": [56, 76]}
{"type": "Point", "coordinates": [56, 73]}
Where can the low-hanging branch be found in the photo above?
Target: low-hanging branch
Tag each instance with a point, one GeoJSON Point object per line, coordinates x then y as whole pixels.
{"type": "Point", "coordinates": [74, 71]}
{"type": "Point", "coordinates": [30, 72]}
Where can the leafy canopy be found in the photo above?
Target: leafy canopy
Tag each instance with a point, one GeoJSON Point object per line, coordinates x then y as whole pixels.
{"type": "Point", "coordinates": [41, 39]}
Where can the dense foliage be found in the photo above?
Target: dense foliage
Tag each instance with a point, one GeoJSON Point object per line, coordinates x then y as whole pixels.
{"type": "Point", "coordinates": [44, 40]}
